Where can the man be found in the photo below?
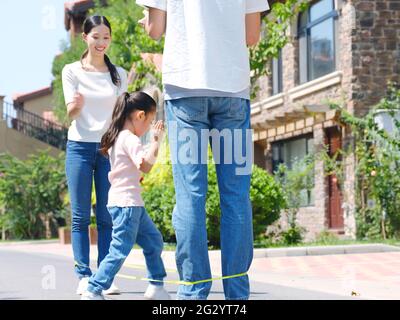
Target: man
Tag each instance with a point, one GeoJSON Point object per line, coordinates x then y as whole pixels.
{"type": "Point", "coordinates": [206, 77]}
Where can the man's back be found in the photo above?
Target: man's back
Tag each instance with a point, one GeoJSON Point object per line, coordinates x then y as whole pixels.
{"type": "Point", "coordinates": [205, 44]}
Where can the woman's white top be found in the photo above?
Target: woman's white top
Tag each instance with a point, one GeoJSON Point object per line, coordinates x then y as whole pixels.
{"type": "Point", "coordinates": [100, 95]}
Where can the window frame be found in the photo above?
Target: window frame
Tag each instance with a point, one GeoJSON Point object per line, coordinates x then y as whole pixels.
{"type": "Point", "coordinates": [305, 31]}
{"type": "Point", "coordinates": [277, 76]}
{"type": "Point", "coordinates": [280, 144]}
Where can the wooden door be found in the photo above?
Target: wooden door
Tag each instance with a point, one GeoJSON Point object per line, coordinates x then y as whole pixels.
{"type": "Point", "coordinates": [335, 211]}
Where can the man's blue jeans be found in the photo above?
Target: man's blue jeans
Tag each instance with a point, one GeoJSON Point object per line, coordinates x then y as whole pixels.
{"type": "Point", "coordinates": [188, 120]}
{"type": "Point", "coordinates": [131, 225]}
{"type": "Point", "coordinates": [83, 163]}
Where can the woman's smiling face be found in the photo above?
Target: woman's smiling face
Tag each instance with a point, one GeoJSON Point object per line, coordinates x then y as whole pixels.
{"type": "Point", "coordinates": [98, 40]}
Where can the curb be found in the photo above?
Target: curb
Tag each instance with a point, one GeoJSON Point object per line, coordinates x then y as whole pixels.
{"type": "Point", "coordinates": [29, 242]}
{"type": "Point", "coordinates": [324, 250]}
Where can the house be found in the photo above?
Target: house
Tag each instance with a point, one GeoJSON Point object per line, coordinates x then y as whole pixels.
{"type": "Point", "coordinates": [344, 51]}
{"type": "Point", "coordinates": [28, 125]}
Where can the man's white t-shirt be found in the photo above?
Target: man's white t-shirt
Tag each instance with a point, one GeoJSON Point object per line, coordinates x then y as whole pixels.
{"type": "Point", "coordinates": [205, 43]}
{"type": "Point", "coordinates": [100, 95]}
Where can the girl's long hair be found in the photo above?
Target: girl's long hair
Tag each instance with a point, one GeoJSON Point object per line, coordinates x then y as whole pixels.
{"type": "Point", "coordinates": [125, 105]}
{"type": "Point", "coordinates": [88, 25]}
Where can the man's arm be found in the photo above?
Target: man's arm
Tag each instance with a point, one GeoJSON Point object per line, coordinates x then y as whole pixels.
{"type": "Point", "coordinates": [253, 28]}
{"type": "Point", "coordinates": [154, 22]}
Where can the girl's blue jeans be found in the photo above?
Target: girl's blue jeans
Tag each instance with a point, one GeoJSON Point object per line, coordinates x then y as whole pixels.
{"type": "Point", "coordinates": [131, 225]}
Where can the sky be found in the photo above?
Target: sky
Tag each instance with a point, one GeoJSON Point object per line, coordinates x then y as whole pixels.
{"type": "Point", "coordinates": [31, 33]}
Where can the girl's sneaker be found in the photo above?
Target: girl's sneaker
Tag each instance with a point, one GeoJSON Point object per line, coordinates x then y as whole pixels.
{"type": "Point", "coordinates": [82, 286]}
{"type": "Point", "coordinates": [112, 290]}
{"type": "Point", "coordinates": [91, 296]}
{"type": "Point", "coordinates": [154, 292]}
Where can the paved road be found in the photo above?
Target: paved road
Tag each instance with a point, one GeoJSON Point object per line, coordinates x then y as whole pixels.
{"type": "Point", "coordinates": [33, 275]}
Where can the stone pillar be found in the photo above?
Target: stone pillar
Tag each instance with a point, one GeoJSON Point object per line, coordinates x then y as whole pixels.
{"type": "Point", "coordinates": [3, 232]}
{"type": "Point", "coordinates": [349, 190]}
{"type": "Point", "coordinates": [2, 106]}
{"type": "Point", "coordinates": [321, 196]}
{"type": "Point", "coordinates": [1, 98]}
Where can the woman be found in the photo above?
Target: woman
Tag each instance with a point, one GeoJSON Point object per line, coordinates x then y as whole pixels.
{"type": "Point", "coordinates": [91, 87]}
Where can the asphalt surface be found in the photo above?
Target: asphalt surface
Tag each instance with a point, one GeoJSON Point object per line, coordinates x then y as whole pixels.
{"type": "Point", "coordinates": [41, 276]}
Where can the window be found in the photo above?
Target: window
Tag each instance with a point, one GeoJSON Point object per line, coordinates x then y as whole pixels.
{"type": "Point", "coordinates": [289, 151]}
{"type": "Point", "coordinates": [277, 74]}
{"type": "Point", "coordinates": [317, 40]}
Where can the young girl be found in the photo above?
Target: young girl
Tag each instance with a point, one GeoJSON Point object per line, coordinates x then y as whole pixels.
{"type": "Point", "coordinates": [91, 88]}
{"type": "Point", "coordinates": [132, 117]}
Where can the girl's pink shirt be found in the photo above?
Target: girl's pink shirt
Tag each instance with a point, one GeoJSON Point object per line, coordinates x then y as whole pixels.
{"type": "Point", "coordinates": [126, 156]}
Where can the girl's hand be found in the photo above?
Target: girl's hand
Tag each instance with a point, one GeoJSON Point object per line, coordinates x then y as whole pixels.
{"type": "Point", "coordinates": [158, 131]}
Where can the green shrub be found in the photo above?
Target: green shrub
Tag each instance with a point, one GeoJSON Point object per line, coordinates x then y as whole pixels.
{"type": "Point", "coordinates": [159, 197]}
{"type": "Point", "coordinates": [325, 237]}
{"type": "Point", "coordinates": [32, 195]}
{"type": "Point", "coordinates": [293, 235]}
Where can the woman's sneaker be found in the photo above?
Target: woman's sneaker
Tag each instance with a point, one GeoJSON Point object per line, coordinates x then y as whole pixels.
{"type": "Point", "coordinates": [156, 293]}
{"type": "Point", "coordinates": [91, 296]}
{"type": "Point", "coordinates": [82, 286]}
{"type": "Point", "coordinates": [112, 290]}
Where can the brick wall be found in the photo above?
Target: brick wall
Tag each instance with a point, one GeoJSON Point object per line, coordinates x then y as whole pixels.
{"type": "Point", "coordinates": [368, 56]}
{"type": "Point", "coordinates": [376, 50]}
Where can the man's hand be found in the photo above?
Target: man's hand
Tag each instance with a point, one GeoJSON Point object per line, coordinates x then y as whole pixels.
{"type": "Point", "coordinates": [144, 21]}
{"type": "Point", "coordinates": [154, 22]}
{"type": "Point", "coordinates": [253, 28]}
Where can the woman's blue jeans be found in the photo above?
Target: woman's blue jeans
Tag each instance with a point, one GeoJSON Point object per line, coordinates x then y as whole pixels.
{"type": "Point", "coordinates": [84, 163]}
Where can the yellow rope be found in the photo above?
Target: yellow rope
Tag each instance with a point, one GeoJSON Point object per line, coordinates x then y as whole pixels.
{"type": "Point", "coordinates": [186, 283]}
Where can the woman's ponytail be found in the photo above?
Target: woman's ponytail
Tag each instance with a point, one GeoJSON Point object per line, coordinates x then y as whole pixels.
{"type": "Point", "coordinates": [115, 77]}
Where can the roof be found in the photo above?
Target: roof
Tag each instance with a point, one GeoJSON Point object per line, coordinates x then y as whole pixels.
{"type": "Point", "coordinates": [20, 98]}
{"type": "Point", "coordinates": [76, 8]}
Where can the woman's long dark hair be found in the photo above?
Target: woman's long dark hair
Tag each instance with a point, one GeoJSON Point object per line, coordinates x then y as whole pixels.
{"type": "Point", "coordinates": [125, 105]}
{"type": "Point", "coordinates": [88, 25]}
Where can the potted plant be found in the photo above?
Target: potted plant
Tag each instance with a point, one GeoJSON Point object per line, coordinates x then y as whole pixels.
{"type": "Point", "coordinates": [64, 234]}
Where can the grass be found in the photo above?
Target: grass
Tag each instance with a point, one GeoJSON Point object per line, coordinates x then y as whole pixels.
{"type": "Point", "coordinates": [260, 245]}
{"type": "Point", "coordinates": [393, 242]}
{"type": "Point", "coordinates": [330, 242]}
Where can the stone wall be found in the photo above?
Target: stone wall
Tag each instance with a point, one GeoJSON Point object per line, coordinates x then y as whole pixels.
{"type": "Point", "coordinates": [376, 50]}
